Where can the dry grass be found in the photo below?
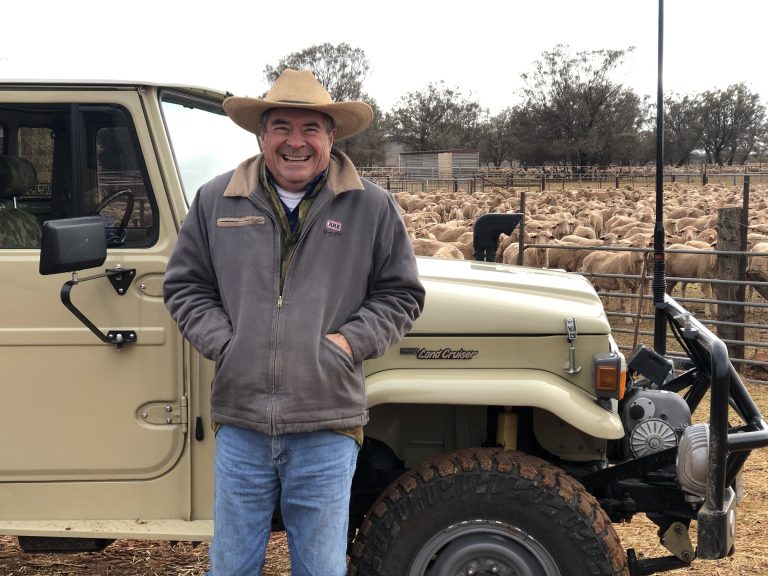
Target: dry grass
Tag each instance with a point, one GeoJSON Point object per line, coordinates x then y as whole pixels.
{"type": "Point", "coordinates": [140, 558]}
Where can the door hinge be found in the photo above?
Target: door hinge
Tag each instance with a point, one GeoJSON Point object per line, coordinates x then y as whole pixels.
{"type": "Point", "coordinates": [165, 413]}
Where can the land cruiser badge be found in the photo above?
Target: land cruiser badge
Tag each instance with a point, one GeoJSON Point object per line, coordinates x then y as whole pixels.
{"type": "Point", "coordinates": [440, 353]}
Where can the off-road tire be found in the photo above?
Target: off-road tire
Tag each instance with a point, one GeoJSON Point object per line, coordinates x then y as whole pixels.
{"type": "Point", "coordinates": [484, 506]}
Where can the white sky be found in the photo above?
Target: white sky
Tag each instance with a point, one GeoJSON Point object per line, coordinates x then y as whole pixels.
{"type": "Point", "coordinates": [481, 47]}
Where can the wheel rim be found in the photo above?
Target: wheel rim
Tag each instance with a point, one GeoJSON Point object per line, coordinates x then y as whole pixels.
{"type": "Point", "coordinates": [483, 548]}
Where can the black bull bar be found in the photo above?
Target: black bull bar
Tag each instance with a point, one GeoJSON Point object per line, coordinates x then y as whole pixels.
{"type": "Point", "coordinates": [729, 447]}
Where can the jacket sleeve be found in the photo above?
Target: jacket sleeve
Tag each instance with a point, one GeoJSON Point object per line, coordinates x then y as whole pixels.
{"type": "Point", "coordinates": [190, 288]}
{"type": "Point", "coordinates": [395, 296]}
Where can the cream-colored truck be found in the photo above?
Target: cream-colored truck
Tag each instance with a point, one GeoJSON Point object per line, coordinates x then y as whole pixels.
{"type": "Point", "coordinates": [507, 431]}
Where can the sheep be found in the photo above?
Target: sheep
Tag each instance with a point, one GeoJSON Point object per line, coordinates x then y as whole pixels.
{"type": "Point", "coordinates": [691, 266]}
{"type": "Point", "coordinates": [571, 256]}
{"type": "Point", "coordinates": [757, 269]}
{"type": "Point", "coordinates": [532, 256]}
{"type": "Point", "coordinates": [624, 263]}
{"type": "Point", "coordinates": [436, 249]}
{"type": "Point", "coordinates": [708, 235]}
{"type": "Point", "coordinates": [627, 226]}
{"type": "Point", "coordinates": [617, 221]}
{"type": "Point", "coordinates": [585, 232]}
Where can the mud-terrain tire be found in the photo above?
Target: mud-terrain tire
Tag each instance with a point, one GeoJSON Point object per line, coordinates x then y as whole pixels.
{"type": "Point", "coordinates": [486, 511]}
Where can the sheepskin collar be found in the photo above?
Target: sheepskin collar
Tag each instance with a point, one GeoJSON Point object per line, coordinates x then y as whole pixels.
{"type": "Point", "coordinates": [342, 176]}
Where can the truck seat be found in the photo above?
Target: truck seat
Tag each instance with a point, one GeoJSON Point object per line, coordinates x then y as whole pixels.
{"type": "Point", "coordinates": [18, 229]}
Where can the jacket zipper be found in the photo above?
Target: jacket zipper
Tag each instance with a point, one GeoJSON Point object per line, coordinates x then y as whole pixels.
{"type": "Point", "coordinates": [276, 331]}
{"type": "Point", "coordinates": [314, 214]}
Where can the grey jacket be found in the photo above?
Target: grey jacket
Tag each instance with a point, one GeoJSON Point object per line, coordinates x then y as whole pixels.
{"type": "Point", "coordinates": [353, 272]}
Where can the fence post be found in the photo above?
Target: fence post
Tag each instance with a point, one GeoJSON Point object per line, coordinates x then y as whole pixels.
{"type": "Point", "coordinates": [729, 268]}
{"type": "Point", "coordinates": [521, 239]}
{"type": "Point", "coordinates": [543, 182]}
{"type": "Point", "coordinates": [617, 181]}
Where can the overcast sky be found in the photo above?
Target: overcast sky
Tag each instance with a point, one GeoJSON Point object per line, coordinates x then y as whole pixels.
{"type": "Point", "coordinates": [481, 47]}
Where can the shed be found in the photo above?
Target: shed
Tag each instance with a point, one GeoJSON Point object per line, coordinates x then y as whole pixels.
{"type": "Point", "coordinates": [441, 163]}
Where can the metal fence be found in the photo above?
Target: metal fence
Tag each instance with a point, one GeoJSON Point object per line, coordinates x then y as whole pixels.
{"type": "Point", "coordinates": [630, 309]}
{"type": "Point", "coordinates": [631, 312]}
{"type": "Point", "coordinates": [398, 180]}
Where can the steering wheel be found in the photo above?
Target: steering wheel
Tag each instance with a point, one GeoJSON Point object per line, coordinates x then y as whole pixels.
{"type": "Point", "coordinates": [117, 236]}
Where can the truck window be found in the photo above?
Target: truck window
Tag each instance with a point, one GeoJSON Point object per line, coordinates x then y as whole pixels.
{"type": "Point", "coordinates": [205, 141]}
{"type": "Point", "coordinates": [85, 160]}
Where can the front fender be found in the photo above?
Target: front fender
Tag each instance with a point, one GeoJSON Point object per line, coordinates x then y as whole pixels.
{"type": "Point", "coordinates": [495, 387]}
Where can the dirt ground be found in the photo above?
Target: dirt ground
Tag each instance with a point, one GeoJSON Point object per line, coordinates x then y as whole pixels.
{"type": "Point", "coordinates": [143, 558]}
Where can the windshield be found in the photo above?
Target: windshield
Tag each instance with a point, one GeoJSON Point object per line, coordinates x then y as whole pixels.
{"type": "Point", "coordinates": [205, 141]}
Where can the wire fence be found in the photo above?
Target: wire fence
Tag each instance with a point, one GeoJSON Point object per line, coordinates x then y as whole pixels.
{"type": "Point", "coordinates": [549, 178]}
{"type": "Point", "coordinates": [734, 306]}
{"type": "Point", "coordinates": [631, 313]}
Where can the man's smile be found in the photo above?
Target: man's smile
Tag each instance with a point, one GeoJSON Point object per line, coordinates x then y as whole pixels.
{"type": "Point", "coordinates": [290, 158]}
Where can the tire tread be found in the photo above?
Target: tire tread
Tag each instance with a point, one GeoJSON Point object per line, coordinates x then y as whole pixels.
{"type": "Point", "coordinates": [533, 481]}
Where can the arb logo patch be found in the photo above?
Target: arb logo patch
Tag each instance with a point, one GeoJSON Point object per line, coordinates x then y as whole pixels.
{"type": "Point", "coordinates": [333, 227]}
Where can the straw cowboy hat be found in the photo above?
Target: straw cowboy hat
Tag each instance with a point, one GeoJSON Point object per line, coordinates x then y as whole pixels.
{"type": "Point", "coordinates": [300, 89]}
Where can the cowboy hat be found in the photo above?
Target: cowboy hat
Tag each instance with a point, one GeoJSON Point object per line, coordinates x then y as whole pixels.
{"type": "Point", "coordinates": [300, 89]}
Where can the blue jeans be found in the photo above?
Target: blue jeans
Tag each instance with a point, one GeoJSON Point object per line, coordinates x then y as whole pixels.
{"type": "Point", "coordinates": [309, 474]}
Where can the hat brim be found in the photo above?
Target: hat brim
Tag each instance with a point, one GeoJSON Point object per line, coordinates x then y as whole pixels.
{"type": "Point", "coordinates": [350, 118]}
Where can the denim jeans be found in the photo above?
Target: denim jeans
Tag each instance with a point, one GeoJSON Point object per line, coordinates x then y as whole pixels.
{"type": "Point", "coordinates": [308, 474]}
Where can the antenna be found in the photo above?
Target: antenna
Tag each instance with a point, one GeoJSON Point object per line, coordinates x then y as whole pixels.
{"type": "Point", "coordinates": [659, 279]}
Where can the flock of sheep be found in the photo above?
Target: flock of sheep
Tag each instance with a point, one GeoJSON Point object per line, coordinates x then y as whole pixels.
{"type": "Point", "coordinates": [571, 229]}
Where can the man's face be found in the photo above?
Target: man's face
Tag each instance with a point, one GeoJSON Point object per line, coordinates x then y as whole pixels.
{"type": "Point", "coordinates": [296, 146]}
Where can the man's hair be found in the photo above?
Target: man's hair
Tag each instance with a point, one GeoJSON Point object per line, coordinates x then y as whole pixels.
{"type": "Point", "coordinates": [330, 124]}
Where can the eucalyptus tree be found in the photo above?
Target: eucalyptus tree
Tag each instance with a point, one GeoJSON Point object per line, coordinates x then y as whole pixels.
{"type": "Point", "coordinates": [437, 118]}
{"type": "Point", "coordinates": [577, 106]}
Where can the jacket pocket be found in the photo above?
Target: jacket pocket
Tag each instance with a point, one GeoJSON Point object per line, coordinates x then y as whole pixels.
{"type": "Point", "coordinates": [338, 351]}
{"type": "Point", "coordinates": [340, 389]}
{"type": "Point", "coordinates": [223, 353]}
{"type": "Point", "coordinates": [228, 222]}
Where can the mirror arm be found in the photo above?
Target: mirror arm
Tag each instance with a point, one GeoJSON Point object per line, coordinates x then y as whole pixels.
{"type": "Point", "coordinates": [121, 279]}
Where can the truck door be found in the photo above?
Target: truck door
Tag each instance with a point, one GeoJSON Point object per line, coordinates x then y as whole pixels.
{"type": "Point", "coordinates": [72, 408]}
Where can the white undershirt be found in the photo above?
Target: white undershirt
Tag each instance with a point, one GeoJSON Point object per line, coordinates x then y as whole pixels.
{"type": "Point", "coordinates": [290, 199]}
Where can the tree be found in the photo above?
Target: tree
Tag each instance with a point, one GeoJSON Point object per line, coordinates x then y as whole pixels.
{"type": "Point", "coordinates": [340, 69]}
{"type": "Point", "coordinates": [438, 118]}
{"type": "Point", "coordinates": [531, 137]}
{"type": "Point", "coordinates": [367, 148]}
{"type": "Point", "coordinates": [682, 128]}
{"type": "Point", "coordinates": [577, 107]}
{"type": "Point", "coordinates": [730, 122]}
{"type": "Point", "coordinates": [495, 139]}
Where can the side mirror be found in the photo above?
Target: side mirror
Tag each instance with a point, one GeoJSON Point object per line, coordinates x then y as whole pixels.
{"type": "Point", "coordinates": [72, 244]}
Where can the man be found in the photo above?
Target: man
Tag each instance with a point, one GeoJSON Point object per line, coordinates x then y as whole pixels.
{"type": "Point", "coordinates": [289, 272]}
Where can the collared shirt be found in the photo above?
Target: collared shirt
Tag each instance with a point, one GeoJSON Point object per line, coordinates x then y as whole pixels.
{"type": "Point", "coordinates": [290, 220]}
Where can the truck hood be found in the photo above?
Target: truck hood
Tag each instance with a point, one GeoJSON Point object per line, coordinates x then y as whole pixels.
{"type": "Point", "coordinates": [487, 298]}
